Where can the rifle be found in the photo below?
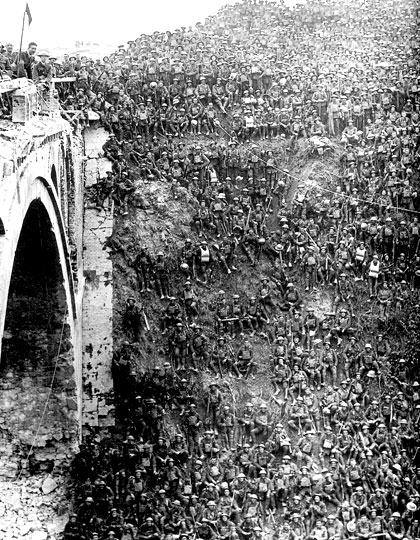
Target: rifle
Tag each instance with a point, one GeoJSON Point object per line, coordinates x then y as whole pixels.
{"type": "Point", "coordinates": [146, 322]}
{"type": "Point", "coordinates": [268, 205]}
{"type": "Point", "coordinates": [219, 367]}
{"type": "Point", "coordinates": [247, 220]}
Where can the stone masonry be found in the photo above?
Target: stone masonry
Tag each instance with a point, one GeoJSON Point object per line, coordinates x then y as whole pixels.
{"type": "Point", "coordinates": [98, 404]}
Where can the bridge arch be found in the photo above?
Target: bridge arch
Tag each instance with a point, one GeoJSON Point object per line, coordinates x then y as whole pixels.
{"type": "Point", "coordinates": [38, 324]}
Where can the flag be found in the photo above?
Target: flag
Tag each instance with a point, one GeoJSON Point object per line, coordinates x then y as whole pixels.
{"type": "Point", "coordinates": [28, 13]}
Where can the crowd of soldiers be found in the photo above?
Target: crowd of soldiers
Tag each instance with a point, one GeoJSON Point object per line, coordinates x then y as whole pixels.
{"type": "Point", "coordinates": [333, 454]}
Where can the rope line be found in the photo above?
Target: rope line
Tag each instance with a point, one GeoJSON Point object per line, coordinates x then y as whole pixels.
{"type": "Point", "coordinates": [342, 195]}
{"type": "Point", "coordinates": [46, 403]}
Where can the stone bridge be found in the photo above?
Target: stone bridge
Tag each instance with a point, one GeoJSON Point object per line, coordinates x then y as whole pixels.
{"type": "Point", "coordinates": [44, 380]}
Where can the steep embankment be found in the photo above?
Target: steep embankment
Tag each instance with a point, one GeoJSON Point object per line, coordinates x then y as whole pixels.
{"type": "Point", "coordinates": [161, 221]}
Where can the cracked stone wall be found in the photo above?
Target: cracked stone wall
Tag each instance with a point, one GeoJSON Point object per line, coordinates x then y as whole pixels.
{"type": "Point", "coordinates": [98, 389]}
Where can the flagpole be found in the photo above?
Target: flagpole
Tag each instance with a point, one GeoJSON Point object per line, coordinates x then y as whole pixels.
{"type": "Point", "coordinates": [20, 46]}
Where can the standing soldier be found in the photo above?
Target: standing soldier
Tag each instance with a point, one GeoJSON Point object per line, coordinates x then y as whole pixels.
{"type": "Point", "coordinates": [179, 345]}
{"type": "Point", "coordinates": [328, 362]}
{"type": "Point", "coordinates": [350, 354]}
{"type": "Point", "coordinates": [204, 259]}
{"type": "Point", "coordinates": [105, 189]}
{"type": "Point", "coordinates": [226, 426]}
{"type": "Point", "coordinates": [214, 401]}
{"type": "Point", "coordinates": [161, 275]}
{"type": "Point", "coordinates": [199, 348]}
{"type": "Point", "coordinates": [311, 327]}
{"type": "Point", "coordinates": [402, 239]}
{"type": "Point", "coordinates": [310, 265]}
{"type": "Point", "coordinates": [388, 234]}
{"type": "Point", "coordinates": [373, 274]}
{"type": "Point", "coordinates": [143, 267]}
{"type": "Point", "coordinates": [344, 292]}
{"type": "Point", "coordinates": [245, 422]}
{"type": "Point", "coordinates": [384, 297]}
{"type": "Point", "coordinates": [134, 319]}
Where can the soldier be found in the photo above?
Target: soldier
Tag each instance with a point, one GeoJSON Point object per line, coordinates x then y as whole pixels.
{"type": "Point", "coordinates": [328, 361]}
{"type": "Point", "coordinates": [199, 348]}
{"type": "Point", "coordinates": [402, 239]}
{"type": "Point", "coordinates": [311, 327]}
{"type": "Point", "coordinates": [134, 320]}
{"type": "Point", "coordinates": [226, 426]}
{"type": "Point", "coordinates": [262, 423]}
{"type": "Point", "coordinates": [388, 237]}
{"type": "Point", "coordinates": [329, 405]}
{"type": "Point", "coordinates": [312, 367]}
{"type": "Point", "coordinates": [223, 316]}
{"type": "Point", "coordinates": [190, 300]}
{"type": "Point", "coordinates": [105, 188]}
{"type": "Point", "coordinates": [187, 256]}
{"type": "Point", "coordinates": [310, 266]}
{"type": "Point", "coordinates": [384, 297]}
{"type": "Point", "coordinates": [179, 345]}
{"type": "Point", "coordinates": [143, 268]}
{"type": "Point", "coordinates": [171, 315]}
{"type": "Point", "coordinates": [299, 415]}
{"type": "Point", "coordinates": [350, 355]}
{"type": "Point", "coordinates": [291, 299]}
{"type": "Point", "coordinates": [344, 292]}
{"type": "Point", "coordinates": [304, 451]}
{"type": "Point", "coordinates": [204, 259]}
{"type": "Point", "coordinates": [221, 356]}
{"type": "Point", "coordinates": [373, 275]}
{"type": "Point", "coordinates": [325, 272]}
{"type": "Point", "coordinates": [214, 401]}
{"type": "Point", "coordinates": [237, 314]}
{"type": "Point", "coordinates": [360, 261]}
{"type": "Point", "coordinates": [281, 376]}
{"type": "Point", "coordinates": [161, 275]}
{"type": "Point", "coordinates": [367, 360]}
{"type": "Point", "coordinates": [245, 363]}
